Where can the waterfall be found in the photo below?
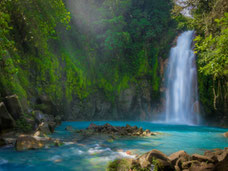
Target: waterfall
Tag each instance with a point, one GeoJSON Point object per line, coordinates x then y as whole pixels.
{"type": "Point", "coordinates": [181, 94]}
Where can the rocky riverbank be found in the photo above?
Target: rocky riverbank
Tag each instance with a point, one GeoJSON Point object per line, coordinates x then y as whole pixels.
{"type": "Point", "coordinates": [212, 160]}
{"type": "Point", "coordinates": [25, 129]}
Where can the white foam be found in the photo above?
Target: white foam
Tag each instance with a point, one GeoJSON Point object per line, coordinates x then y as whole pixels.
{"type": "Point", "coordinates": [98, 149]}
{"type": "Point", "coordinates": [3, 161]}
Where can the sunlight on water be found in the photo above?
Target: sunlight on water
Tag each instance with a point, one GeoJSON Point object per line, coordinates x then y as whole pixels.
{"type": "Point", "coordinates": [94, 153]}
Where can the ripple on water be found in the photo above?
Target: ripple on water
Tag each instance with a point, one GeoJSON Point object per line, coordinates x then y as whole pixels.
{"type": "Point", "coordinates": [3, 161]}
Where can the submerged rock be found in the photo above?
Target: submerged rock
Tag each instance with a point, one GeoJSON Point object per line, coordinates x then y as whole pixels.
{"type": "Point", "coordinates": [28, 143]}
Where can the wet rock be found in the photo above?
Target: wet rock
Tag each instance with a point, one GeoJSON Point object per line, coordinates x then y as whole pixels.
{"type": "Point", "coordinates": [27, 143]}
{"type": "Point", "coordinates": [14, 106]}
{"type": "Point", "coordinates": [6, 120]}
{"type": "Point", "coordinates": [202, 158]}
{"type": "Point", "coordinates": [181, 160]}
{"type": "Point", "coordinates": [188, 164]}
{"type": "Point", "coordinates": [223, 156]}
{"type": "Point", "coordinates": [146, 159]}
{"type": "Point", "coordinates": [175, 156]}
{"type": "Point", "coordinates": [212, 154]}
{"type": "Point", "coordinates": [226, 134]}
{"type": "Point", "coordinates": [58, 143]}
{"type": "Point", "coordinates": [202, 166]}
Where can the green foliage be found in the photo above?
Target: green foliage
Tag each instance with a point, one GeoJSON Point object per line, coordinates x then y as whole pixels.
{"type": "Point", "coordinates": [213, 51]}
{"type": "Point", "coordinates": [23, 125]}
{"type": "Point", "coordinates": [111, 45]}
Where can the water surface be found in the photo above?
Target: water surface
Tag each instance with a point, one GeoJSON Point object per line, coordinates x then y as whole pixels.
{"type": "Point", "coordinates": [93, 153]}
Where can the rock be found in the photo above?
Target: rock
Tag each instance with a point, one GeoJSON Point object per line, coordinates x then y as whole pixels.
{"type": "Point", "coordinates": [202, 167]}
{"type": "Point", "coordinates": [163, 165]}
{"type": "Point", "coordinates": [181, 160]}
{"type": "Point", "coordinates": [92, 126]}
{"type": "Point", "coordinates": [116, 130]}
{"type": "Point", "coordinates": [52, 126]}
{"type": "Point", "coordinates": [37, 134]}
{"type": "Point", "coordinates": [2, 142]}
{"type": "Point", "coordinates": [14, 106]}
{"type": "Point", "coordinates": [40, 117]}
{"type": "Point", "coordinates": [202, 158]}
{"type": "Point", "coordinates": [69, 128]}
{"type": "Point", "coordinates": [175, 156]}
{"type": "Point", "coordinates": [6, 120]}
{"type": "Point", "coordinates": [58, 143]}
{"type": "Point", "coordinates": [44, 128]}
{"type": "Point", "coordinates": [177, 168]}
{"type": "Point", "coordinates": [28, 143]}
{"type": "Point", "coordinates": [212, 154]}
{"type": "Point", "coordinates": [222, 166]}
{"type": "Point", "coordinates": [123, 165]}
{"type": "Point", "coordinates": [226, 134]}
{"type": "Point", "coordinates": [188, 164]}
{"type": "Point", "coordinates": [223, 156]}
{"type": "Point", "coordinates": [146, 159]}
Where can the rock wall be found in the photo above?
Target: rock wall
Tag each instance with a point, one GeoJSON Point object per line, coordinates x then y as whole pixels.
{"type": "Point", "coordinates": [133, 103]}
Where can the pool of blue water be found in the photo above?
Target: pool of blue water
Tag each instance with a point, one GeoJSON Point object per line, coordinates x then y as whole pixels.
{"type": "Point", "coordinates": [94, 153]}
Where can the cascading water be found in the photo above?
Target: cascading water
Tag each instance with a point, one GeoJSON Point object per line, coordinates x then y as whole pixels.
{"type": "Point", "coordinates": [181, 94]}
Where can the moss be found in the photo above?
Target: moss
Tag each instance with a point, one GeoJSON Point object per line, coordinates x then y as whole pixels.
{"type": "Point", "coordinates": [119, 164]}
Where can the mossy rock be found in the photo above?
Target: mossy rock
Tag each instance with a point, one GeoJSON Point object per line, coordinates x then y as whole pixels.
{"type": "Point", "coordinates": [120, 165]}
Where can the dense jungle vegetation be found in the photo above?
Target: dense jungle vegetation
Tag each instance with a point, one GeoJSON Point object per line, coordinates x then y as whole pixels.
{"type": "Point", "coordinates": [70, 51]}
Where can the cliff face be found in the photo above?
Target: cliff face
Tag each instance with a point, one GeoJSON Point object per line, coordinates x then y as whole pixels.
{"type": "Point", "coordinates": [133, 103]}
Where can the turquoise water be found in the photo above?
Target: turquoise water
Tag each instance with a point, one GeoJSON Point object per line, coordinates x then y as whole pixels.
{"type": "Point", "coordinates": [93, 153]}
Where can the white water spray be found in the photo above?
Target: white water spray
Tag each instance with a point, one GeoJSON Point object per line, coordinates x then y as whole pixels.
{"type": "Point", "coordinates": [181, 94]}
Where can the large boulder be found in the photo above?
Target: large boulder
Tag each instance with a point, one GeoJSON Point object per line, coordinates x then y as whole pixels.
{"type": "Point", "coordinates": [175, 156]}
{"type": "Point", "coordinates": [202, 158]}
{"type": "Point", "coordinates": [6, 120]}
{"type": "Point", "coordinates": [157, 158]}
{"type": "Point", "coordinates": [28, 143]}
{"type": "Point", "coordinates": [213, 154]}
{"type": "Point", "coordinates": [14, 106]}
